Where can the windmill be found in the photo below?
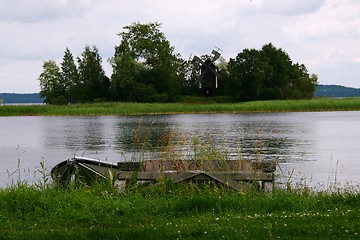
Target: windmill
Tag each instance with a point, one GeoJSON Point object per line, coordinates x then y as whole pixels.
{"type": "Point", "coordinates": [208, 78]}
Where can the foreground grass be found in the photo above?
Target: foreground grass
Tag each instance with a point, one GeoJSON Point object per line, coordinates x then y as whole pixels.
{"type": "Point", "coordinates": [175, 212]}
{"type": "Point", "coordinates": [112, 108]}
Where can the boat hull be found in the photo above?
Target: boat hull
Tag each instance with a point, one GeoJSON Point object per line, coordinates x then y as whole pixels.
{"type": "Point", "coordinates": [84, 170]}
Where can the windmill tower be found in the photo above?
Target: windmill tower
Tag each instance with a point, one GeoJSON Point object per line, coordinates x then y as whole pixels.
{"type": "Point", "coordinates": [209, 73]}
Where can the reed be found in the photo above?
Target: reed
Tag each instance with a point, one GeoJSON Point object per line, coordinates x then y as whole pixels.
{"type": "Point", "coordinates": [122, 108]}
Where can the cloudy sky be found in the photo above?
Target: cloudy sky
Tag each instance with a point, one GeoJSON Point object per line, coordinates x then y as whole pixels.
{"type": "Point", "coordinates": [322, 34]}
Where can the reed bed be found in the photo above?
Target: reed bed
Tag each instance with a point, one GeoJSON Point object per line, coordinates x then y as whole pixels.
{"type": "Point", "coordinates": [122, 108]}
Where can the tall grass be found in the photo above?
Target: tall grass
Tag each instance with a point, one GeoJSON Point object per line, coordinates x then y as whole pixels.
{"type": "Point", "coordinates": [120, 108]}
{"type": "Point", "coordinates": [175, 212]}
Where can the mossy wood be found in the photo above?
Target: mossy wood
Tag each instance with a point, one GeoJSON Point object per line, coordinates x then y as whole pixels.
{"type": "Point", "coordinates": [235, 174]}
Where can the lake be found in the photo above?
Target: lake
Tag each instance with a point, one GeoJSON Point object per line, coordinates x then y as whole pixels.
{"type": "Point", "coordinates": [313, 148]}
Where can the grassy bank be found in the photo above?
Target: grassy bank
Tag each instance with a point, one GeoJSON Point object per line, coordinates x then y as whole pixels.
{"type": "Point", "coordinates": [112, 108]}
{"type": "Point", "coordinates": [184, 211]}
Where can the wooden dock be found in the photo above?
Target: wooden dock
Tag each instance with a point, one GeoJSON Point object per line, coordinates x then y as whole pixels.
{"type": "Point", "coordinates": [235, 174]}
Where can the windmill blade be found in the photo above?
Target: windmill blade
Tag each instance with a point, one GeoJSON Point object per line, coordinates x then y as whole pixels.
{"type": "Point", "coordinates": [197, 59]}
{"type": "Point", "coordinates": [211, 69]}
{"type": "Point", "coordinates": [216, 55]}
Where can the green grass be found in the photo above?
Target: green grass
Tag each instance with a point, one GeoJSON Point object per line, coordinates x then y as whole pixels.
{"type": "Point", "coordinates": [112, 108]}
{"type": "Point", "coordinates": [185, 211]}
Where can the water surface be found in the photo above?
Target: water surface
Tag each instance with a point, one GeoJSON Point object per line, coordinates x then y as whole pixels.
{"type": "Point", "coordinates": [316, 148]}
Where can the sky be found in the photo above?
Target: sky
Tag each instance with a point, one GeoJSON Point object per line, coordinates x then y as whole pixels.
{"type": "Point", "coordinates": [323, 35]}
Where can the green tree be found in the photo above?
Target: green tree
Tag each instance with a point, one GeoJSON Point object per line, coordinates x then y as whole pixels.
{"type": "Point", "coordinates": [246, 74]}
{"type": "Point", "coordinates": [92, 79]}
{"type": "Point", "coordinates": [50, 82]}
{"type": "Point", "coordinates": [190, 73]}
{"type": "Point", "coordinates": [70, 77]}
{"type": "Point", "coordinates": [154, 75]}
{"type": "Point", "coordinates": [268, 73]}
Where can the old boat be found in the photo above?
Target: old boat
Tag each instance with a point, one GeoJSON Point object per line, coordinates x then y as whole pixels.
{"type": "Point", "coordinates": [88, 170]}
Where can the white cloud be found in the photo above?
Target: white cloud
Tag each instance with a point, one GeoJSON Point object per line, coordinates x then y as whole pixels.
{"type": "Point", "coordinates": [329, 39]}
{"type": "Point", "coordinates": [289, 7]}
{"type": "Point", "coordinates": [322, 34]}
{"type": "Point", "coordinates": [40, 10]}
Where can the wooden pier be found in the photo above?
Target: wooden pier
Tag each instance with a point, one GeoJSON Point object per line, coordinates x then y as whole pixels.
{"type": "Point", "coordinates": [235, 174]}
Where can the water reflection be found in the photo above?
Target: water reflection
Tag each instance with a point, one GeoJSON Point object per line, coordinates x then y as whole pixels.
{"type": "Point", "coordinates": [251, 136]}
{"type": "Point", "coordinates": [310, 143]}
{"type": "Point", "coordinates": [136, 132]}
{"type": "Point", "coordinates": [75, 133]}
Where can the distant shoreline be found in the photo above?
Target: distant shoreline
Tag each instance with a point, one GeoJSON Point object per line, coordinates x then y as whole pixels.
{"type": "Point", "coordinates": [128, 109]}
{"type": "Point", "coordinates": [22, 104]}
{"type": "Point", "coordinates": [21, 98]}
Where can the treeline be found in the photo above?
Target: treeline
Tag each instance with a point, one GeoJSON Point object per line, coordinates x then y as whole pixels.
{"type": "Point", "coordinates": [21, 98]}
{"type": "Point", "coordinates": [336, 91]}
{"type": "Point", "coordinates": [146, 69]}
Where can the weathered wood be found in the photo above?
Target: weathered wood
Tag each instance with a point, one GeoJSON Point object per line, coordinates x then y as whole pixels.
{"type": "Point", "coordinates": [179, 176]}
{"type": "Point", "coordinates": [229, 179]}
{"type": "Point", "coordinates": [232, 173]}
{"type": "Point", "coordinates": [191, 165]}
{"type": "Point", "coordinates": [129, 166]}
{"type": "Point", "coordinates": [204, 165]}
{"type": "Point", "coordinates": [267, 186]}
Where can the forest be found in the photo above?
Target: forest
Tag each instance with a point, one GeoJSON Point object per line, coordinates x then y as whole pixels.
{"type": "Point", "coordinates": [146, 69]}
{"type": "Point", "coordinates": [336, 91]}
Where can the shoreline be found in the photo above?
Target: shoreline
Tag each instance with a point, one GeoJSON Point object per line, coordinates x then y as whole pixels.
{"type": "Point", "coordinates": [134, 109]}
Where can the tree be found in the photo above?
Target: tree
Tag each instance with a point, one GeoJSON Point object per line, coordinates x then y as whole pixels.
{"type": "Point", "coordinates": [93, 81]}
{"type": "Point", "coordinates": [246, 75]}
{"type": "Point", "coordinates": [70, 77]}
{"type": "Point", "coordinates": [153, 69]}
{"type": "Point", "coordinates": [50, 82]}
{"type": "Point", "coordinates": [268, 73]}
{"type": "Point", "coordinates": [189, 73]}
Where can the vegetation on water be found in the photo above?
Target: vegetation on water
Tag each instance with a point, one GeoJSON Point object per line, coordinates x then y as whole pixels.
{"type": "Point", "coordinates": [197, 105]}
{"type": "Point", "coordinates": [146, 69]}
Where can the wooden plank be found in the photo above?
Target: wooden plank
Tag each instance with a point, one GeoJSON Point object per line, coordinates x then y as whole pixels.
{"type": "Point", "coordinates": [236, 176]}
{"type": "Point", "coordinates": [247, 175]}
{"type": "Point", "coordinates": [204, 165]}
{"type": "Point", "coordinates": [182, 176]}
{"type": "Point", "coordinates": [226, 180]}
{"type": "Point", "coordinates": [267, 186]}
{"type": "Point", "coordinates": [234, 180]}
{"type": "Point", "coordinates": [129, 166]}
